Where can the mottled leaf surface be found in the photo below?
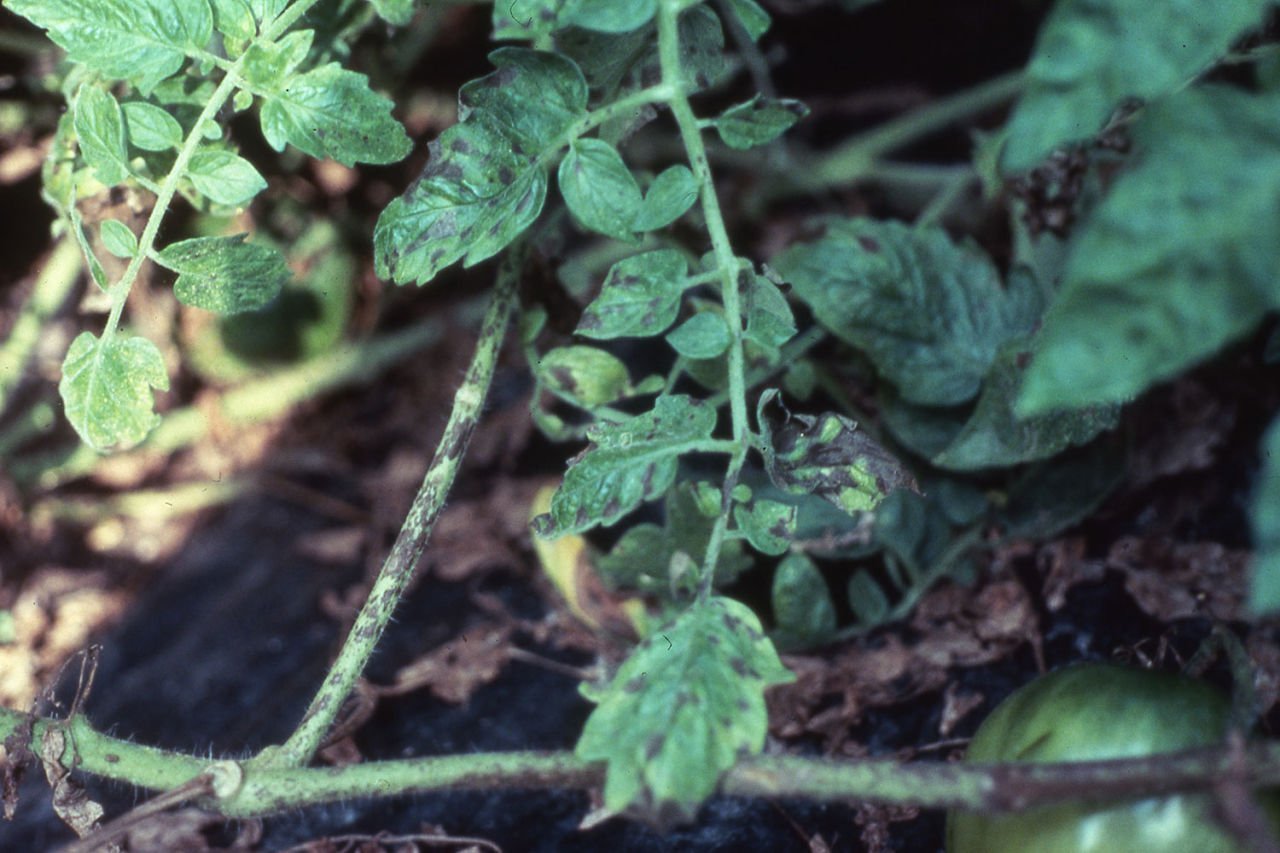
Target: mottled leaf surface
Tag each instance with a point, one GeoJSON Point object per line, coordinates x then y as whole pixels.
{"type": "Point", "coordinates": [929, 313]}
{"type": "Point", "coordinates": [331, 112]}
{"type": "Point", "coordinates": [143, 41]}
{"type": "Point", "coordinates": [1179, 258]}
{"type": "Point", "coordinates": [106, 389]}
{"type": "Point", "coordinates": [826, 455]}
{"type": "Point", "coordinates": [640, 297]}
{"type": "Point", "coordinates": [585, 376]}
{"type": "Point", "coordinates": [224, 274]}
{"type": "Point", "coordinates": [487, 177]}
{"type": "Point", "coordinates": [628, 463]}
{"type": "Point", "coordinates": [682, 709]}
{"type": "Point", "coordinates": [1092, 54]}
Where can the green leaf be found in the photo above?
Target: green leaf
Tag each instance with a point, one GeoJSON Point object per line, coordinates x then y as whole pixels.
{"type": "Point", "coordinates": [118, 238]}
{"type": "Point", "coordinates": [1264, 596]}
{"type": "Point", "coordinates": [234, 19]}
{"type": "Point", "coordinates": [759, 121]}
{"type": "Point", "coordinates": [608, 16]}
{"type": "Point", "coordinates": [996, 436]}
{"type": "Point", "coordinates": [629, 462]}
{"type": "Point", "coordinates": [770, 323]}
{"type": "Point", "coordinates": [914, 529]}
{"type": "Point", "coordinates": [931, 315]}
{"type": "Point", "coordinates": [1092, 54]}
{"type": "Point", "coordinates": [266, 11]}
{"type": "Point", "coordinates": [702, 57]}
{"type": "Point", "coordinates": [768, 525]}
{"type": "Point", "coordinates": [268, 65]}
{"type": "Point", "coordinates": [682, 709]}
{"type": "Point", "coordinates": [599, 189]}
{"type": "Point", "coordinates": [867, 599]}
{"type": "Point", "coordinates": [1179, 258]}
{"type": "Point", "coordinates": [670, 195]}
{"type": "Point", "coordinates": [704, 335]}
{"type": "Point", "coordinates": [754, 19]}
{"type": "Point", "coordinates": [640, 297]}
{"type": "Point", "coordinates": [1062, 491]}
{"type": "Point", "coordinates": [224, 274]}
{"type": "Point", "coordinates": [827, 456]}
{"type": "Point", "coordinates": [331, 112]}
{"type": "Point", "coordinates": [585, 376]}
{"type": "Point", "coordinates": [803, 610]}
{"type": "Point", "coordinates": [106, 389]}
{"type": "Point", "coordinates": [394, 12]}
{"type": "Point", "coordinates": [100, 132]}
{"type": "Point", "coordinates": [143, 41]}
{"type": "Point", "coordinates": [486, 180]}
{"type": "Point", "coordinates": [525, 19]}
{"type": "Point", "coordinates": [642, 559]}
{"type": "Point", "coordinates": [151, 128]}
{"type": "Point", "coordinates": [224, 177]}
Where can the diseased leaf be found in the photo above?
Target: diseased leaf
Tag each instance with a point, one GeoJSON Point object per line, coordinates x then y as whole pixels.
{"type": "Point", "coordinates": [269, 65]}
{"type": "Point", "coordinates": [608, 16]}
{"type": "Point", "coordinates": [106, 389]}
{"type": "Point", "coordinates": [100, 134]}
{"type": "Point", "coordinates": [802, 607]}
{"type": "Point", "coordinates": [224, 274]}
{"type": "Point", "coordinates": [642, 559]}
{"type": "Point", "coordinates": [768, 525]}
{"type": "Point", "coordinates": [828, 457]}
{"type": "Point", "coordinates": [266, 11]}
{"type": "Point", "coordinates": [702, 57]}
{"type": "Point", "coordinates": [682, 708]}
{"type": "Point", "coordinates": [930, 314]}
{"type": "Point", "coordinates": [585, 376]}
{"type": "Point", "coordinates": [525, 19]}
{"type": "Point", "coordinates": [331, 112]}
{"type": "Point", "coordinates": [224, 177]}
{"type": "Point", "coordinates": [151, 128]}
{"type": "Point", "coordinates": [1264, 596]}
{"type": "Point", "coordinates": [995, 436]}
{"type": "Point", "coordinates": [1178, 259]}
{"type": "Point", "coordinates": [670, 195]}
{"type": "Point", "coordinates": [599, 189]}
{"type": "Point", "coordinates": [640, 297]}
{"type": "Point", "coordinates": [1059, 492]}
{"type": "Point", "coordinates": [485, 182]}
{"type": "Point", "coordinates": [118, 238]}
{"type": "Point", "coordinates": [704, 335]}
{"type": "Point", "coordinates": [143, 41]}
{"type": "Point", "coordinates": [759, 121]}
{"type": "Point", "coordinates": [628, 463]}
{"type": "Point", "coordinates": [1092, 54]}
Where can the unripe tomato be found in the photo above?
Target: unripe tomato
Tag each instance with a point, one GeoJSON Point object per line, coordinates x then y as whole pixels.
{"type": "Point", "coordinates": [1094, 712]}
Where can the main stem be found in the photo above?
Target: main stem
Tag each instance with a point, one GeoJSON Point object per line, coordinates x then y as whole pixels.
{"type": "Point", "coordinates": [398, 568]}
{"type": "Point", "coordinates": [726, 266]}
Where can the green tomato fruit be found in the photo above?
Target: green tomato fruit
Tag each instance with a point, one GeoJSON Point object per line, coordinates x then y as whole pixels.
{"type": "Point", "coordinates": [1095, 712]}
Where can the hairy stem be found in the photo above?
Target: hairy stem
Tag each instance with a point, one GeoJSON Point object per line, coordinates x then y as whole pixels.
{"type": "Point", "coordinates": [726, 264]}
{"type": "Point", "coordinates": [409, 545]}
{"type": "Point", "coordinates": [264, 788]}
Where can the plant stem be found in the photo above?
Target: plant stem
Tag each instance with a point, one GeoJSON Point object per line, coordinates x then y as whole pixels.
{"type": "Point", "coordinates": [409, 545]}
{"type": "Point", "coordinates": [726, 263]}
{"type": "Point", "coordinates": [266, 788]}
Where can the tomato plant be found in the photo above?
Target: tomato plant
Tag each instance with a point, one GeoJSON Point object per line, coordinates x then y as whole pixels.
{"type": "Point", "coordinates": [1095, 712]}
